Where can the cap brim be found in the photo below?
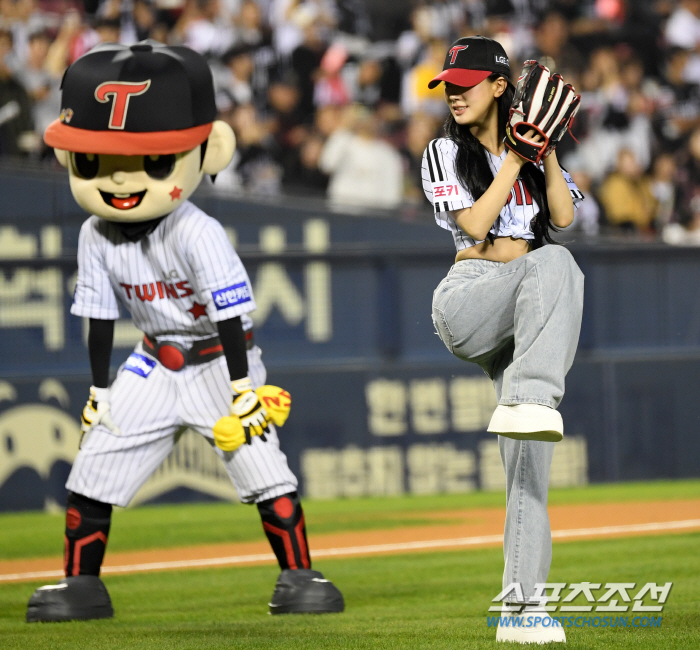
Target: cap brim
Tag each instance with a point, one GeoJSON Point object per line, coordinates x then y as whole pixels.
{"type": "Point", "coordinates": [461, 77]}
{"type": "Point", "coordinates": [124, 143]}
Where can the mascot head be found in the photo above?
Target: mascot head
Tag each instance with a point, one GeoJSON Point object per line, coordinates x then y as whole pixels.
{"type": "Point", "coordinates": [137, 129]}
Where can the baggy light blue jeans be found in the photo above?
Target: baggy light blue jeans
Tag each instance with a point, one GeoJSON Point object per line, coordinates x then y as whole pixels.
{"type": "Point", "coordinates": [520, 322]}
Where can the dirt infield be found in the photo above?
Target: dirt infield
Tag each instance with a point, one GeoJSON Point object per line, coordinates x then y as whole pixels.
{"type": "Point", "coordinates": [475, 528]}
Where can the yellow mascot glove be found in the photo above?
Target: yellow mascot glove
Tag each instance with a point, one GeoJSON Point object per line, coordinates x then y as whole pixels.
{"type": "Point", "coordinates": [276, 401]}
{"type": "Point", "coordinates": [228, 433]}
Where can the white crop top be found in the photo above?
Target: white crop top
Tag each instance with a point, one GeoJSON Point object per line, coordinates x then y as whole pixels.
{"type": "Point", "coordinates": [444, 190]}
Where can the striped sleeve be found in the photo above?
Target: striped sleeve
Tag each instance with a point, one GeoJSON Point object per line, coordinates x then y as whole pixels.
{"type": "Point", "coordinates": [220, 276]}
{"type": "Point", "coordinates": [94, 296]}
{"type": "Point", "coordinates": [440, 182]}
{"type": "Point", "coordinates": [576, 194]}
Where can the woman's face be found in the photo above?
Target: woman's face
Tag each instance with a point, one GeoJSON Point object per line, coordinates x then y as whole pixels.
{"type": "Point", "coordinates": [472, 105]}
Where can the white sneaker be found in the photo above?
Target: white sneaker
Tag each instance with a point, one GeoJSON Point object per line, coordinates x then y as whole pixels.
{"type": "Point", "coordinates": [533, 625]}
{"type": "Point", "coordinates": [527, 422]}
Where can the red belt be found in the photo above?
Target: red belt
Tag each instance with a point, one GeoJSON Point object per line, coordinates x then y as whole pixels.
{"type": "Point", "coordinates": [174, 356]}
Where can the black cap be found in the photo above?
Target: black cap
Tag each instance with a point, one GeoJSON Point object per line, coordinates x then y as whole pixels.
{"type": "Point", "coordinates": [471, 60]}
{"type": "Point", "coordinates": [139, 100]}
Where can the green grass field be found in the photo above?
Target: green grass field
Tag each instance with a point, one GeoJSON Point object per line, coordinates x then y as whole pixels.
{"type": "Point", "coordinates": [419, 600]}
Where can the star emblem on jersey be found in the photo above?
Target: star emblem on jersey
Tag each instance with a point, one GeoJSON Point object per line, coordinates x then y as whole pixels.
{"type": "Point", "coordinates": [198, 310]}
{"type": "Point", "coordinates": [175, 194]}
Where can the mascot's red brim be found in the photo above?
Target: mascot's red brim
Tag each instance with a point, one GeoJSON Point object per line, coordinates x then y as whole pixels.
{"type": "Point", "coordinates": [124, 143]}
{"type": "Point", "coordinates": [461, 77]}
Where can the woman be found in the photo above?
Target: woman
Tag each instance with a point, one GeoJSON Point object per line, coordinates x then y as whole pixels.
{"type": "Point", "coordinates": [511, 303]}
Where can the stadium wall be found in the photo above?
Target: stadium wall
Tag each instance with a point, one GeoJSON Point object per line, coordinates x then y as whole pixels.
{"type": "Point", "coordinates": [379, 405]}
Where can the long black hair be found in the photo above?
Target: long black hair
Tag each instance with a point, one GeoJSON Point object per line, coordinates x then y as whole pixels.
{"type": "Point", "coordinates": [475, 174]}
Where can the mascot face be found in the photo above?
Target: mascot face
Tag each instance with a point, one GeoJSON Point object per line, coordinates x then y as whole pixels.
{"type": "Point", "coordinates": [133, 188]}
{"type": "Point", "coordinates": [137, 130]}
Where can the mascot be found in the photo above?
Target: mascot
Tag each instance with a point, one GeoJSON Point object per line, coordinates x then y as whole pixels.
{"type": "Point", "coordinates": [136, 133]}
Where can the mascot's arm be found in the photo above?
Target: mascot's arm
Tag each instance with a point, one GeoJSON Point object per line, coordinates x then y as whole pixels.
{"type": "Point", "coordinates": [96, 411]}
{"type": "Point", "coordinates": [100, 341]}
{"type": "Point", "coordinates": [233, 342]}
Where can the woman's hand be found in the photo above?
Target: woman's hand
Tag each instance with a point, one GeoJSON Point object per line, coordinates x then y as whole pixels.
{"type": "Point", "coordinates": [533, 137]}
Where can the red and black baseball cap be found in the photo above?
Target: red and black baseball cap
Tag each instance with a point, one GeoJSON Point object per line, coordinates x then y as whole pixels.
{"type": "Point", "coordinates": [472, 59]}
{"type": "Point", "coordinates": [143, 99]}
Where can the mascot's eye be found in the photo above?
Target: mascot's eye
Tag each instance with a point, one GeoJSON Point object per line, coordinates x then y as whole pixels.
{"type": "Point", "coordinates": [159, 167]}
{"type": "Point", "coordinates": [87, 164]}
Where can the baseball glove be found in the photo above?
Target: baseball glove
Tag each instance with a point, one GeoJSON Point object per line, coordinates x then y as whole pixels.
{"type": "Point", "coordinates": [543, 104]}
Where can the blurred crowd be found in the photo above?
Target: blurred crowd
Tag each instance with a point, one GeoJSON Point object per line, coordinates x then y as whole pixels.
{"type": "Point", "coordinates": [329, 98]}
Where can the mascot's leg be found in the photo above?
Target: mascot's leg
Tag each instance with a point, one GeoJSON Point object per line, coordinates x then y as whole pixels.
{"type": "Point", "coordinates": [298, 590]}
{"type": "Point", "coordinates": [81, 595]}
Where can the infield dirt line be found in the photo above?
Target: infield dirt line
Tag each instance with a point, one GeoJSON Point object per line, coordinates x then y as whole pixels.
{"type": "Point", "coordinates": [373, 549]}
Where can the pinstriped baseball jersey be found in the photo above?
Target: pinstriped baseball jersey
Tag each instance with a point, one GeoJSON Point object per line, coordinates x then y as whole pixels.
{"type": "Point", "coordinates": [176, 283]}
{"type": "Point", "coordinates": [447, 194]}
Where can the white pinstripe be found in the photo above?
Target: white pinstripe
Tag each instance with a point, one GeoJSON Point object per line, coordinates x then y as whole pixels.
{"type": "Point", "coordinates": [438, 173]}
{"type": "Point", "coordinates": [186, 247]}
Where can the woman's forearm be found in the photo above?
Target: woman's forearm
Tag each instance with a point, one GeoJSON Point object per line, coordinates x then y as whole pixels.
{"type": "Point", "coordinates": [477, 220]}
{"type": "Point", "coordinates": [561, 205]}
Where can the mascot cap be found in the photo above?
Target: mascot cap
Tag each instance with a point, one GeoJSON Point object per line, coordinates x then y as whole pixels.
{"type": "Point", "coordinates": [471, 60]}
{"type": "Point", "coordinates": [143, 99]}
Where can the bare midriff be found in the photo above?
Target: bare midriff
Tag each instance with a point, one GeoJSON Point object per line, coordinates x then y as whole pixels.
{"type": "Point", "coordinates": [503, 249]}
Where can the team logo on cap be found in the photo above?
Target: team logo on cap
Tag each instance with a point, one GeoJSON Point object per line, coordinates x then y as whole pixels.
{"type": "Point", "coordinates": [455, 51]}
{"type": "Point", "coordinates": [120, 92]}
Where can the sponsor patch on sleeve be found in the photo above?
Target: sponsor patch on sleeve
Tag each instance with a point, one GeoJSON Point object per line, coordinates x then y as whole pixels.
{"type": "Point", "coordinates": [445, 191]}
{"type": "Point", "coordinates": [232, 296]}
{"type": "Point", "coordinates": [142, 366]}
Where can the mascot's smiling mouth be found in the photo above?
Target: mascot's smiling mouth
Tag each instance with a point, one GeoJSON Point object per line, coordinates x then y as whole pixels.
{"type": "Point", "coordinates": [123, 201]}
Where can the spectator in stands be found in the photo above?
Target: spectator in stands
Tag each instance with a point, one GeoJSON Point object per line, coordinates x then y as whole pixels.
{"type": "Point", "coordinates": [616, 118]}
{"type": "Point", "coordinates": [587, 215]}
{"type": "Point", "coordinates": [290, 20]}
{"type": "Point", "coordinates": [236, 77]}
{"type": "Point", "coordinates": [683, 26]}
{"type": "Point", "coordinates": [41, 85]}
{"type": "Point", "coordinates": [420, 130]}
{"type": "Point", "coordinates": [663, 178]}
{"type": "Point", "coordinates": [58, 56]}
{"type": "Point", "coordinates": [415, 94]}
{"type": "Point", "coordinates": [144, 19]}
{"type": "Point", "coordinates": [364, 170]}
{"type": "Point", "coordinates": [254, 167]}
{"type": "Point", "coordinates": [685, 230]}
{"type": "Point", "coordinates": [687, 181]}
{"type": "Point", "coordinates": [305, 62]}
{"type": "Point", "coordinates": [330, 87]}
{"type": "Point", "coordinates": [683, 30]}
{"type": "Point", "coordinates": [626, 195]}
{"type": "Point", "coordinates": [412, 44]}
{"type": "Point", "coordinates": [552, 46]}
{"type": "Point", "coordinates": [199, 29]}
{"type": "Point", "coordinates": [17, 134]}
{"type": "Point", "coordinates": [678, 103]}
{"type": "Point", "coordinates": [302, 174]}
{"type": "Point", "coordinates": [249, 25]}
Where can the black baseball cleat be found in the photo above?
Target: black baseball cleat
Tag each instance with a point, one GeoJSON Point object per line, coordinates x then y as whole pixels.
{"type": "Point", "coordinates": [77, 598]}
{"type": "Point", "coordinates": [302, 591]}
